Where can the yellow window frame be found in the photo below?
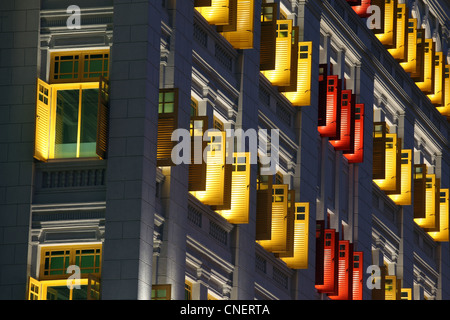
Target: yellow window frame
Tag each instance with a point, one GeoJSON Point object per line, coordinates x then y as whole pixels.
{"type": "Point", "coordinates": [78, 72]}
{"type": "Point", "coordinates": [71, 255]}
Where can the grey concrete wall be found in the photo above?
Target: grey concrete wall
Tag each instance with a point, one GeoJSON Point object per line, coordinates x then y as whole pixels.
{"type": "Point", "coordinates": [131, 171]}
{"type": "Point", "coordinates": [19, 27]}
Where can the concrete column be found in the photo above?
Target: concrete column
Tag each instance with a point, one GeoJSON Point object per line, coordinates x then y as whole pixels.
{"type": "Point", "coordinates": [131, 173]}
{"type": "Point", "coordinates": [19, 56]}
{"type": "Point", "coordinates": [177, 74]}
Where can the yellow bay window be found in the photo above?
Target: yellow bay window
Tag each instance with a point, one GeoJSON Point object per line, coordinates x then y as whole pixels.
{"type": "Point", "coordinates": [71, 120]}
{"type": "Point", "coordinates": [55, 277]}
{"type": "Point", "coordinates": [72, 108]}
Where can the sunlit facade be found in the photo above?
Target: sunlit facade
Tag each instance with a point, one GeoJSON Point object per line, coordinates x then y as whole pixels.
{"type": "Point", "coordinates": [103, 197]}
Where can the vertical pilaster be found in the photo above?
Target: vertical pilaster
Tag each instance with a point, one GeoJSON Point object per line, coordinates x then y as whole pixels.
{"type": "Point", "coordinates": [19, 56]}
{"type": "Point", "coordinates": [131, 172]}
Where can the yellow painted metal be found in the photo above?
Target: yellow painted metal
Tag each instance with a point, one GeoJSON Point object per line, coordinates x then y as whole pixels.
{"type": "Point", "coordinates": [443, 234]}
{"type": "Point", "coordinates": [281, 75]}
{"type": "Point", "coordinates": [389, 182]}
{"type": "Point", "coordinates": [240, 190]}
{"type": "Point", "coordinates": [215, 170]}
{"type": "Point", "coordinates": [301, 236]}
{"type": "Point", "coordinates": [243, 37]}
{"type": "Point", "coordinates": [216, 14]}
{"type": "Point", "coordinates": [404, 197]}
{"type": "Point", "coordinates": [430, 203]}
{"type": "Point", "coordinates": [302, 97]}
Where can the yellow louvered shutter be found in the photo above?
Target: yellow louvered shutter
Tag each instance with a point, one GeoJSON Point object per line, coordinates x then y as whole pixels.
{"type": "Point", "coordinates": [43, 120]}
{"type": "Point", "coordinates": [277, 242]}
{"type": "Point", "coordinates": [299, 259]}
{"type": "Point", "coordinates": [217, 13]}
{"type": "Point", "coordinates": [264, 207]}
{"type": "Point", "coordinates": [403, 197]}
{"type": "Point", "coordinates": [34, 289]}
{"type": "Point", "coordinates": [437, 97]}
{"type": "Point", "coordinates": [269, 12]}
{"type": "Point", "coordinates": [445, 108]}
{"type": "Point", "coordinates": [388, 37]}
{"type": "Point", "coordinates": [292, 86]}
{"type": "Point", "coordinates": [427, 85]}
{"type": "Point", "coordinates": [232, 18]}
{"type": "Point", "coordinates": [379, 146]}
{"type": "Point", "coordinates": [214, 193]}
{"type": "Point", "coordinates": [400, 51]}
{"type": "Point", "coordinates": [281, 75]}
{"type": "Point", "coordinates": [93, 289]}
{"type": "Point", "coordinates": [240, 190]}
{"type": "Point", "coordinates": [102, 118]}
{"type": "Point", "coordinates": [242, 37]}
{"type": "Point", "coordinates": [420, 180]}
{"type": "Point", "coordinates": [409, 65]}
{"type": "Point", "coordinates": [442, 233]}
{"type": "Point", "coordinates": [302, 96]}
{"type": "Point", "coordinates": [197, 171]}
{"type": "Point", "coordinates": [167, 123]}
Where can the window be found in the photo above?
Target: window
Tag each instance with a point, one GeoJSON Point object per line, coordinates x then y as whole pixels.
{"type": "Point", "coordinates": [187, 290]}
{"type": "Point", "coordinates": [72, 109]}
{"type": "Point", "coordinates": [161, 291]}
{"type": "Point", "coordinates": [167, 123]}
{"type": "Point", "coordinates": [79, 66]}
{"type": "Point", "coordinates": [54, 282]}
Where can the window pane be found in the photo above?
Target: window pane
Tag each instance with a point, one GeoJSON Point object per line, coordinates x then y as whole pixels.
{"type": "Point", "coordinates": [58, 293]}
{"type": "Point", "coordinates": [79, 294]}
{"type": "Point", "coordinates": [66, 125]}
{"type": "Point", "coordinates": [88, 134]}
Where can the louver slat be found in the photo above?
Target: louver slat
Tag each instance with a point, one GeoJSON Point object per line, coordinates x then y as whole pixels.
{"type": "Point", "coordinates": [357, 285]}
{"type": "Point", "coordinates": [345, 271]}
{"type": "Point", "coordinates": [102, 118]}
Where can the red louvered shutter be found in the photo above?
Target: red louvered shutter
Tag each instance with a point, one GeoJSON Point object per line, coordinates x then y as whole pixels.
{"type": "Point", "coordinates": [357, 156]}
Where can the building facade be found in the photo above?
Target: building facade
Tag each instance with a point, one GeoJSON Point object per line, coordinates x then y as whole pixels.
{"type": "Point", "coordinates": [325, 175]}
